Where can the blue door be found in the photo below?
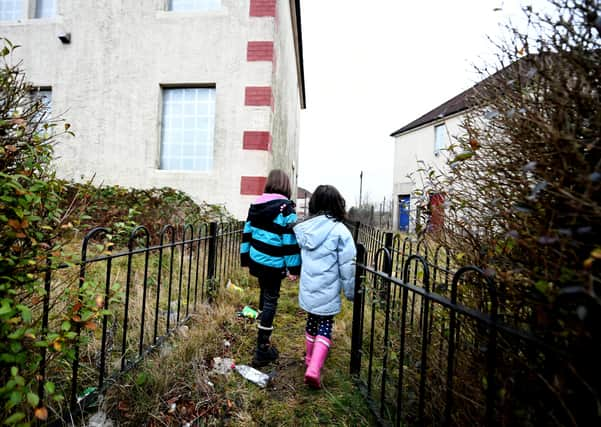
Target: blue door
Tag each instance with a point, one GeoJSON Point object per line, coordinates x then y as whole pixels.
{"type": "Point", "coordinates": [404, 212]}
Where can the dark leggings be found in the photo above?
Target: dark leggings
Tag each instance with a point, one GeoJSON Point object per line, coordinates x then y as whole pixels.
{"type": "Point", "coordinates": [319, 325]}
{"type": "Point", "coordinates": [268, 299]}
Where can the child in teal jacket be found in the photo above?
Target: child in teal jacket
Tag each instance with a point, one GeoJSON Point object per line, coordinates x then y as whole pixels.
{"type": "Point", "coordinates": [270, 251]}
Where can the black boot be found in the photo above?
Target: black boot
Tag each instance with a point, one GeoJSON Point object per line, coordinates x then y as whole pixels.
{"type": "Point", "coordinates": [265, 352]}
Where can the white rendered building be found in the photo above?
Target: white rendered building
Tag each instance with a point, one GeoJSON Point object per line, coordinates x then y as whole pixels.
{"type": "Point", "coordinates": [200, 95]}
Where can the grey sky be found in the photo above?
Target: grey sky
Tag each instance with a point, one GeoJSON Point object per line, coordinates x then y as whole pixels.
{"type": "Point", "coordinates": [372, 67]}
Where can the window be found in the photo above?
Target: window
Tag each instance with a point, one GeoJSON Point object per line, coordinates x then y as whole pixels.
{"type": "Point", "coordinates": [441, 138]}
{"type": "Point", "coordinates": [193, 5]}
{"type": "Point", "coordinates": [11, 10]}
{"type": "Point", "coordinates": [188, 129]}
{"type": "Point", "coordinates": [45, 95]}
{"type": "Point", "coordinates": [44, 8]}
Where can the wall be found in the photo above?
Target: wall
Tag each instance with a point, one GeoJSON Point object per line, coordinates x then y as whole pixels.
{"type": "Point", "coordinates": [107, 83]}
{"type": "Point", "coordinates": [285, 128]}
{"type": "Point", "coordinates": [412, 147]}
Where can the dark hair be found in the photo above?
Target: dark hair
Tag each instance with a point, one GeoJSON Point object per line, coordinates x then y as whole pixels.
{"type": "Point", "coordinates": [327, 200]}
{"type": "Point", "coordinates": [278, 182]}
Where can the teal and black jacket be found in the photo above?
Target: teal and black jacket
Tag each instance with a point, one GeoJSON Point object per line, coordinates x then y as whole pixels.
{"type": "Point", "coordinates": [269, 245]}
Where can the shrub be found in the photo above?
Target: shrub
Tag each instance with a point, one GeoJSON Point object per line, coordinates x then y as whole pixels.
{"type": "Point", "coordinates": [523, 192]}
{"type": "Point", "coordinates": [31, 223]}
{"type": "Point", "coordinates": [122, 209]}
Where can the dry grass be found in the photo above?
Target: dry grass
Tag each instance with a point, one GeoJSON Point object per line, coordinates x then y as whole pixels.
{"type": "Point", "coordinates": [182, 375]}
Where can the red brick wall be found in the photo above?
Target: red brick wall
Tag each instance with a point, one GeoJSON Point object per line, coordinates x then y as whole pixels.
{"type": "Point", "coordinates": [259, 51]}
{"type": "Point", "coordinates": [256, 140]}
{"type": "Point", "coordinates": [258, 96]}
{"type": "Point", "coordinates": [262, 7]}
{"type": "Point", "coordinates": [252, 185]}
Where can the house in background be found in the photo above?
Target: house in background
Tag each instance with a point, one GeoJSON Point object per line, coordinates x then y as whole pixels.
{"type": "Point", "coordinates": [200, 95]}
{"type": "Point", "coordinates": [302, 202]}
{"type": "Point", "coordinates": [424, 140]}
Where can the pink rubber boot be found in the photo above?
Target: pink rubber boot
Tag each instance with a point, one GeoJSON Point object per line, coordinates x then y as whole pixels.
{"type": "Point", "coordinates": [309, 342]}
{"type": "Point", "coordinates": [320, 352]}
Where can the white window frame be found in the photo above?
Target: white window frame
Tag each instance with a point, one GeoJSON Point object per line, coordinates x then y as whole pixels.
{"type": "Point", "coordinates": [441, 138]}
{"type": "Point", "coordinates": [36, 4]}
{"type": "Point", "coordinates": [187, 128]}
{"type": "Point", "coordinates": [19, 7]}
{"type": "Point", "coordinates": [193, 5]}
{"type": "Point", "coordinates": [44, 92]}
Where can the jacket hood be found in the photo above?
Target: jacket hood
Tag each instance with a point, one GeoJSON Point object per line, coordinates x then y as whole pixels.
{"type": "Point", "coordinates": [268, 197]}
{"type": "Point", "coordinates": [311, 233]}
{"type": "Point", "coordinates": [268, 210]}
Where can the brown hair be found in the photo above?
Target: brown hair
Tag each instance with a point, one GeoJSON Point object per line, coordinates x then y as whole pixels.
{"type": "Point", "coordinates": [278, 182]}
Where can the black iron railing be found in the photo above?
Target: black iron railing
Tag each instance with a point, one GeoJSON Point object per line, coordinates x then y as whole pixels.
{"type": "Point", "coordinates": [146, 291]}
{"type": "Point", "coordinates": [437, 344]}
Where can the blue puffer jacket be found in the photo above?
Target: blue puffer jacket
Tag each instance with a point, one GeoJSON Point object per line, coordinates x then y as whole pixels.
{"type": "Point", "coordinates": [268, 246]}
{"type": "Point", "coordinates": [327, 253]}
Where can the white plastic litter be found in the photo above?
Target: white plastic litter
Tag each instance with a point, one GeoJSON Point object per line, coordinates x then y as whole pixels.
{"type": "Point", "coordinates": [253, 375]}
{"type": "Point", "coordinates": [222, 365]}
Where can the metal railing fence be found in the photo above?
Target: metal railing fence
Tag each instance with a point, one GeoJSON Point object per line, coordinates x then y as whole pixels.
{"type": "Point", "coordinates": [433, 343]}
{"type": "Point", "coordinates": [146, 292]}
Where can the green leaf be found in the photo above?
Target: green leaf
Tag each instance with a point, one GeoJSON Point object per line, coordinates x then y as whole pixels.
{"type": "Point", "coordinates": [33, 399]}
{"type": "Point", "coordinates": [20, 380]}
{"type": "Point", "coordinates": [66, 326]}
{"type": "Point", "coordinates": [14, 371]}
{"type": "Point", "coordinates": [49, 387]}
{"type": "Point", "coordinates": [15, 398]}
{"type": "Point", "coordinates": [5, 308]}
{"type": "Point", "coordinates": [141, 378]}
{"type": "Point", "coordinates": [462, 156]}
{"type": "Point", "coordinates": [14, 418]}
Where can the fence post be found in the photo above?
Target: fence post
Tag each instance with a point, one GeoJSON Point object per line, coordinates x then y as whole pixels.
{"type": "Point", "coordinates": [388, 237]}
{"type": "Point", "coordinates": [356, 232]}
{"type": "Point", "coordinates": [212, 260]}
{"type": "Point", "coordinates": [356, 336]}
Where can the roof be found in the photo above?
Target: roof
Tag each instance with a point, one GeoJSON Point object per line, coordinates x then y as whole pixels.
{"type": "Point", "coordinates": [454, 105]}
{"type": "Point", "coordinates": [463, 101]}
{"type": "Point", "coordinates": [300, 190]}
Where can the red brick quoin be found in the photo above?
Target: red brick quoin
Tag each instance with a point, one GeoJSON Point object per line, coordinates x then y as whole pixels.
{"type": "Point", "coordinates": [252, 185]}
{"type": "Point", "coordinates": [256, 140]}
{"type": "Point", "coordinates": [259, 51]}
{"type": "Point", "coordinates": [262, 8]}
{"type": "Point", "coordinates": [258, 96]}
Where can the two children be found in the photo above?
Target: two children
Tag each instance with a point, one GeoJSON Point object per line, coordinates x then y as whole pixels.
{"type": "Point", "coordinates": [270, 248]}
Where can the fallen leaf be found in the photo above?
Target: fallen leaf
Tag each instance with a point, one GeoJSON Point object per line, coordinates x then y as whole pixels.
{"type": "Point", "coordinates": [41, 413]}
{"type": "Point", "coordinates": [14, 223]}
{"type": "Point", "coordinates": [91, 326]}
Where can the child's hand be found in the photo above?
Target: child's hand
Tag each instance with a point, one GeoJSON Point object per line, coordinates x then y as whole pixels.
{"type": "Point", "coordinates": [292, 277]}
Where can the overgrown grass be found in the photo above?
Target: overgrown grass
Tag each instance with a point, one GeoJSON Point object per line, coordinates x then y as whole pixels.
{"type": "Point", "coordinates": [177, 386]}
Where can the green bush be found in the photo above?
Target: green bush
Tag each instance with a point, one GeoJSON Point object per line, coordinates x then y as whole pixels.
{"type": "Point", "coordinates": [40, 216]}
{"type": "Point", "coordinates": [122, 209]}
{"type": "Point", "coordinates": [523, 198]}
{"type": "Point", "coordinates": [31, 224]}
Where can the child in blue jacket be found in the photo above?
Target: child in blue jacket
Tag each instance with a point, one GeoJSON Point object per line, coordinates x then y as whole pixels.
{"type": "Point", "coordinates": [327, 253]}
{"type": "Point", "coordinates": [270, 251]}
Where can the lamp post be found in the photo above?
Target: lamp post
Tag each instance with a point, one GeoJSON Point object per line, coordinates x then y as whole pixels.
{"type": "Point", "coordinates": [360, 187]}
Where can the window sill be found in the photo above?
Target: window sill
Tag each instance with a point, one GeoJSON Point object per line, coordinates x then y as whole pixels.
{"type": "Point", "coordinates": [181, 172]}
{"type": "Point", "coordinates": [32, 21]}
{"type": "Point", "coordinates": [192, 14]}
